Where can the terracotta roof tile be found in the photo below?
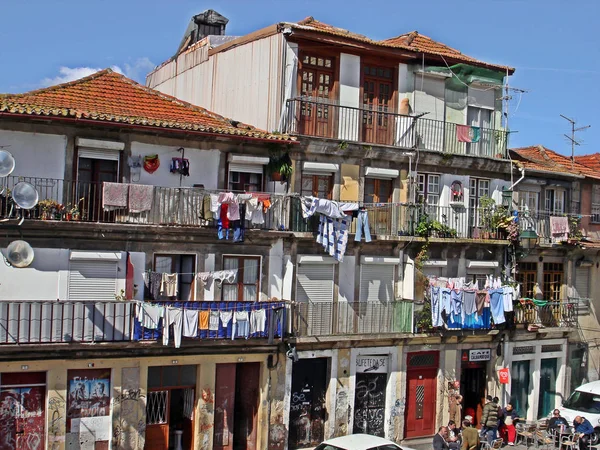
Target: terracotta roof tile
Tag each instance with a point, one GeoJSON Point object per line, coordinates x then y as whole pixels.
{"type": "Point", "coordinates": [591, 161]}
{"type": "Point", "coordinates": [413, 41]}
{"type": "Point", "coordinates": [540, 158]}
{"type": "Point", "coordinates": [107, 96]}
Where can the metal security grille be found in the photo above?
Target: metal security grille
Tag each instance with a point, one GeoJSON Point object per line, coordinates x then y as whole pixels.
{"type": "Point", "coordinates": [419, 399]}
{"type": "Point", "coordinates": [156, 409]}
{"type": "Point", "coordinates": [427, 359]}
{"type": "Point", "coordinates": [523, 350]}
{"type": "Point", "coordinates": [551, 348]}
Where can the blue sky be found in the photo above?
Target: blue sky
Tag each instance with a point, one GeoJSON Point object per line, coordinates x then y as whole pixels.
{"type": "Point", "coordinates": [553, 44]}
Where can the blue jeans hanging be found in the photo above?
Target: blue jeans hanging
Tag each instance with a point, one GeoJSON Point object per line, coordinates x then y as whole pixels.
{"type": "Point", "coordinates": [363, 221]}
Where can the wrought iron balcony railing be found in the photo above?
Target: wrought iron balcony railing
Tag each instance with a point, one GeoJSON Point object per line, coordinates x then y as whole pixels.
{"type": "Point", "coordinates": [313, 117]}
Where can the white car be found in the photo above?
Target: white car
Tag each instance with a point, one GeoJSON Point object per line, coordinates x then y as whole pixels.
{"type": "Point", "coordinates": [359, 442]}
{"type": "Point", "coordinates": [584, 402]}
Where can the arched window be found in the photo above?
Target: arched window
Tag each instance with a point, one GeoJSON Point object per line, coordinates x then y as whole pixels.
{"type": "Point", "coordinates": [456, 192]}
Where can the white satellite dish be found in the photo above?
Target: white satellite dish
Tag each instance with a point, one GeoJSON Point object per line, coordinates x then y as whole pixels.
{"type": "Point", "coordinates": [25, 195]}
{"type": "Point", "coordinates": [7, 163]}
{"type": "Point", "coordinates": [19, 254]}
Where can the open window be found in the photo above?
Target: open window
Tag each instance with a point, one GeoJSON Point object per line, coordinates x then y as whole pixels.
{"type": "Point", "coordinates": [245, 286]}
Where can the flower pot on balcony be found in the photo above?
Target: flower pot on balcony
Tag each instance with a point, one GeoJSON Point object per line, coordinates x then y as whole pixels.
{"type": "Point", "coordinates": [68, 217]}
{"type": "Point", "coordinates": [276, 176]}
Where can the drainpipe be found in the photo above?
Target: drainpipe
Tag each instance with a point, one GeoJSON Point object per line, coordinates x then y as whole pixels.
{"type": "Point", "coordinates": [410, 156]}
{"type": "Point", "coordinates": [522, 170]}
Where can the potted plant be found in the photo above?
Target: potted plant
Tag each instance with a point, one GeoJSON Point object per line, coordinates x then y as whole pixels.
{"type": "Point", "coordinates": [48, 208]}
{"type": "Point", "coordinates": [280, 167]}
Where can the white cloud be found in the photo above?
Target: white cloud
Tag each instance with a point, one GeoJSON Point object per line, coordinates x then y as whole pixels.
{"type": "Point", "coordinates": [137, 70]}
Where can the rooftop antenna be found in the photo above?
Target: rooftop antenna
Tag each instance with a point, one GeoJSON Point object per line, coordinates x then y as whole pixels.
{"type": "Point", "coordinates": [506, 98]}
{"type": "Point", "coordinates": [571, 138]}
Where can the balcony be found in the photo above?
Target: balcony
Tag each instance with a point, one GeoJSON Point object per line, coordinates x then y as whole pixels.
{"type": "Point", "coordinates": [37, 322]}
{"type": "Point", "coordinates": [309, 117]}
{"type": "Point", "coordinates": [356, 318]}
{"type": "Point", "coordinates": [541, 223]}
{"type": "Point", "coordinates": [561, 314]}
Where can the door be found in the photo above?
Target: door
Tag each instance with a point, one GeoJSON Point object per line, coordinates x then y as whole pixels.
{"type": "Point", "coordinates": [22, 411]}
{"type": "Point", "coordinates": [421, 385]}
{"type": "Point", "coordinates": [380, 217]}
{"type": "Point", "coordinates": [245, 418]}
{"type": "Point", "coordinates": [224, 406]}
{"type": "Point", "coordinates": [519, 389]}
{"type": "Point", "coordinates": [472, 388]}
{"type": "Point", "coordinates": [548, 394]}
{"type": "Point", "coordinates": [316, 91]}
{"type": "Point", "coordinates": [369, 403]}
{"type": "Point", "coordinates": [91, 173]}
{"type": "Point", "coordinates": [307, 403]}
{"type": "Point", "coordinates": [377, 100]}
{"type": "Point", "coordinates": [481, 118]}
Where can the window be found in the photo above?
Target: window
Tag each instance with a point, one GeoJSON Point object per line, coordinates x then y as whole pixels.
{"type": "Point", "coordinates": [553, 280]}
{"type": "Point", "coordinates": [378, 191]}
{"type": "Point", "coordinates": [428, 186]}
{"type": "Point", "coordinates": [245, 182]}
{"type": "Point", "coordinates": [317, 185]}
{"type": "Point", "coordinates": [555, 201]}
{"type": "Point", "coordinates": [92, 280]}
{"type": "Point", "coordinates": [596, 203]}
{"type": "Point", "coordinates": [478, 188]}
{"type": "Point", "coordinates": [317, 61]}
{"type": "Point", "coordinates": [480, 278]}
{"type": "Point", "coordinates": [586, 402]}
{"type": "Point", "coordinates": [245, 286]}
{"type": "Point", "coordinates": [528, 200]}
{"type": "Point", "coordinates": [527, 277]}
{"type": "Point", "coordinates": [482, 118]}
{"type": "Point", "coordinates": [184, 266]}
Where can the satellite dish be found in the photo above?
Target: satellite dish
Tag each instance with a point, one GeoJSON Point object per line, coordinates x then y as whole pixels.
{"type": "Point", "coordinates": [7, 163]}
{"type": "Point", "coordinates": [19, 254]}
{"type": "Point", "coordinates": [25, 195]}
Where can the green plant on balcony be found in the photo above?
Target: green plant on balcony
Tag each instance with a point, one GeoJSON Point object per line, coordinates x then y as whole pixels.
{"type": "Point", "coordinates": [280, 166]}
{"type": "Point", "coordinates": [427, 227]}
{"type": "Point", "coordinates": [575, 233]}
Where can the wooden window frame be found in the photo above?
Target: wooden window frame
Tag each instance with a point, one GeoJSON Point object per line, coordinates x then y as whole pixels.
{"type": "Point", "coordinates": [553, 273]}
{"type": "Point", "coordinates": [335, 69]}
{"type": "Point", "coordinates": [240, 277]}
{"type": "Point", "coordinates": [527, 278]}
{"type": "Point", "coordinates": [261, 185]}
{"type": "Point", "coordinates": [192, 284]}
{"type": "Point", "coordinates": [425, 192]}
{"type": "Point", "coordinates": [315, 184]}
{"type": "Point", "coordinates": [376, 186]}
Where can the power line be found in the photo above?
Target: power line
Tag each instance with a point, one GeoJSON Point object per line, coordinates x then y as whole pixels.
{"type": "Point", "coordinates": [571, 138]}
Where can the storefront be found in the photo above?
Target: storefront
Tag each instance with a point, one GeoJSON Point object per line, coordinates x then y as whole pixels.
{"type": "Point", "coordinates": [473, 380]}
{"type": "Point", "coordinates": [370, 394]}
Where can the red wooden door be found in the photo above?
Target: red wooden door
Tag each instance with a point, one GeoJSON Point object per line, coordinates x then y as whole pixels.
{"type": "Point", "coordinates": [22, 411]}
{"type": "Point", "coordinates": [377, 123]}
{"type": "Point", "coordinates": [157, 420]}
{"type": "Point", "coordinates": [224, 406]}
{"type": "Point", "coordinates": [316, 114]}
{"type": "Point", "coordinates": [421, 385]}
{"type": "Point", "coordinates": [246, 410]}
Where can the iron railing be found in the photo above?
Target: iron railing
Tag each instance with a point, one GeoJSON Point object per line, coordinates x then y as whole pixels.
{"type": "Point", "coordinates": [541, 223]}
{"type": "Point", "coordinates": [343, 318]}
{"type": "Point", "coordinates": [313, 117]}
{"type": "Point", "coordinates": [45, 322]}
{"type": "Point", "coordinates": [552, 314]}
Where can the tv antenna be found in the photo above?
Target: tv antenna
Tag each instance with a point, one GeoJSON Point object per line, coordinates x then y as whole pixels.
{"type": "Point", "coordinates": [571, 138]}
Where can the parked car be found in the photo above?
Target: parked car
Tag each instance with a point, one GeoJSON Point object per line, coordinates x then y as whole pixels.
{"type": "Point", "coordinates": [360, 442]}
{"type": "Point", "coordinates": [584, 402]}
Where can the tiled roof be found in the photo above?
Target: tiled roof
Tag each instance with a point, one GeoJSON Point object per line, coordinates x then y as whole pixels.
{"type": "Point", "coordinates": [540, 158]}
{"type": "Point", "coordinates": [413, 41]}
{"type": "Point", "coordinates": [591, 161]}
{"type": "Point", "coordinates": [107, 96]}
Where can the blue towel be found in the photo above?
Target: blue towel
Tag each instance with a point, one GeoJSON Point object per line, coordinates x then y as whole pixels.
{"type": "Point", "coordinates": [497, 305]}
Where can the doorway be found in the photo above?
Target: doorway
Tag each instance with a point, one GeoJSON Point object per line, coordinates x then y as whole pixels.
{"type": "Point", "coordinates": [170, 407]}
{"type": "Point", "coordinates": [22, 400]}
{"type": "Point", "coordinates": [421, 387]}
{"type": "Point", "coordinates": [91, 173]}
{"type": "Point", "coordinates": [519, 389]}
{"type": "Point", "coordinates": [473, 388]}
{"type": "Point", "coordinates": [236, 406]}
{"type": "Point", "coordinates": [307, 404]}
{"type": "Point", "coordinates": [369, 403]}
{"type": "Point", "coordinates": [548, 373]}
{"type": "Point", "coordinates": [378, 89]}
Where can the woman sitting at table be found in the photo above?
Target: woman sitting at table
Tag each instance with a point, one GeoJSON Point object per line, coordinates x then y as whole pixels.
{"type": "Point", "coordinates": [508, 418]}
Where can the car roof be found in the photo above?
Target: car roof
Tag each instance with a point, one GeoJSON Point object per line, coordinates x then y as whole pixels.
{"type": "Point", "coordinates": [594, 387]}
{"type": "Point", "coordinates": [358, 442]}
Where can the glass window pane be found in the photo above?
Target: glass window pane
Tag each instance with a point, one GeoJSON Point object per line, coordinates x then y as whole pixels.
{"type": "Point", "coordinates": [251, 270]}
{"type": "Point", "coordinates": [163, 264]}
{"type": "Point", "coordinates": [154, 377]}
{"type": "Point", "coordinates": [170, 376]}
{"type": "Point", "coordinates": [188, 375]}
{"type": "Point", "coordinates": [230, 292]}
{"type": "Point", "coordinates": [250, 293]}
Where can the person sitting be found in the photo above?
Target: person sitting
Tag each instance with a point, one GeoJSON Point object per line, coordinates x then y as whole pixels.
{"type": "Point", "coordinates": [583, 430]}
{"type": "Point", "coordinates": [470, 436]}
{"type": "Point", "coordinates": [507, 429]}
{"type": "Point", "coordinates": [556, 421]}
{"type": "Point", "coordinates": [439, 440]}
{"type": "Point", "coordinates": [453, 435]}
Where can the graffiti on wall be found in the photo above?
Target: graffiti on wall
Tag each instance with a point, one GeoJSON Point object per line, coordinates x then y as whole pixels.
{"type": "Point", "coordinates": [22, 418]}
{"type": "Point", "coordinates": [130, 408]}
{"type": "Point", "coordinates": [57, 422]}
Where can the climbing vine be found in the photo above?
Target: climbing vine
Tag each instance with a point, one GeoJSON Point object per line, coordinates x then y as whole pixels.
{"type": "Point", "coordinates": [423, 317]}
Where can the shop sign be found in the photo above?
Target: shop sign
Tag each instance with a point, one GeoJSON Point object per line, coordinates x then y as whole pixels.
{"type": "Point", "coordinates": [371, 364]}
{"type": "Point", "coordinates": [482, 354]}
{"type": "Point", "coordinates": [504, 375]}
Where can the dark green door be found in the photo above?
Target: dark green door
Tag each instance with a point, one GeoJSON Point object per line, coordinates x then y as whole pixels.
{"type": "Point", "coordinates": [520, 387]}
{"type": "Point", "coordinates": [547, 386]}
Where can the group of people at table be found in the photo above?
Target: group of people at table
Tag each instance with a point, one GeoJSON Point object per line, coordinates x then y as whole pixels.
{"type": "Point", "coordinates": [496, 420]}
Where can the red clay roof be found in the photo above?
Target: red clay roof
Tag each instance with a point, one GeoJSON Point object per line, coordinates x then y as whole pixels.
{"type": "Point", "coordinates": [413, 41]}
{"type": "Point", "coordinates": [540, 158]}
{"type": "Point", "coordinates": [107, 96]}
{"type": "Point", "coordinates": [591, 161]}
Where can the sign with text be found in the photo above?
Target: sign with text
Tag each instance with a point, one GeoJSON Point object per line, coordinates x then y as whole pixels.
{"type": "Point", "coordinates": [504, 375]}
{"type": "Point", "coordinates": [371, 364]}
{"type": "Point", "coordinates": [481, 354]}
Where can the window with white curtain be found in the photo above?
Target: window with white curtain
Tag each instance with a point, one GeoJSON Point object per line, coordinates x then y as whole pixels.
{"type": "Point", "coordinates": [528, 200]}
{"type": "Point", "coordinates": [596, 203]}
{"type": "Point", "coordinates": [555, 201]}
{"type": "Point", "coordinates": [245, 286]}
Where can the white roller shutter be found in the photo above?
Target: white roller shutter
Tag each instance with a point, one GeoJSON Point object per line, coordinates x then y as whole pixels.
{"type": "Point", "coordinates": [314, 291]}
{"type": "Point", "coordinates": [482, 97]}
{"type": "Point", "coordinates": [245, 168]}
{"type": "Point", "coordinates": [92, 280]}
{"type": "Point", "coordinates": [430, 97]}
{"type": "Point", "coordinates": [429, 271]}
{"type": "Point", "coordinates": [377, 283]}
{"type": "Point", "coordinates": [582, 281]}
{"type": "Point", "coordinates": [96, 153]}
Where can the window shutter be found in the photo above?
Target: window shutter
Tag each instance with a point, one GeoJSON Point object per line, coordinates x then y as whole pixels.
{"type": "Point", "coordinates": [92, 280]}
{"type": "Point", "coordinates": [377, 283]}
{"type": "Point", "coordinates": [431, 98]}
{"type": "Point", "coordinates": [95, 153]}
{"type": "Point", "coordinates": [245, 168]}
{"type": "Point", "coordinates": [582, 281]}
{"type": "Point", "coordinates": [314, 289]}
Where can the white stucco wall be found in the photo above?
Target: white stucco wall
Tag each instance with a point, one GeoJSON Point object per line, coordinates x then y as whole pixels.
{"type": "Point", "coordinates": [275, 279]}
{"type": "Point", "coordinates": [347, 284]}
{"type": "Point", "coordinates": [36, 154]}
{"type": "Point", "coordinates": [349, 96]}
{"type": "Point", "coordinates": [204, 166]}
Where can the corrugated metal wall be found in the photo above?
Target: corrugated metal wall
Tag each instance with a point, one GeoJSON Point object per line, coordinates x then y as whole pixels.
{"type": "Point", "coordinates": [243, 83]}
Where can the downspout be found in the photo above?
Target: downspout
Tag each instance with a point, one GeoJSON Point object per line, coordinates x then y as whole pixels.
{"type": "Point", "coordinates": [522, 170]}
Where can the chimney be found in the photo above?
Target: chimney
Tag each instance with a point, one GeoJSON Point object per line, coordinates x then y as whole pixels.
{"type": "Point", "coordinates": [207, 23]}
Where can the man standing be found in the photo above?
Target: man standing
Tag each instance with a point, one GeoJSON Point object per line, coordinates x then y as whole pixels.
{"type": "Point", "coordinates": [584, 429]}
{"type": "Point", "coordinates": [470, 437]}
{"type": "Point", "coordinates": [489, 420]}
{"type": "Point", "coordinates": [439, 440]}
